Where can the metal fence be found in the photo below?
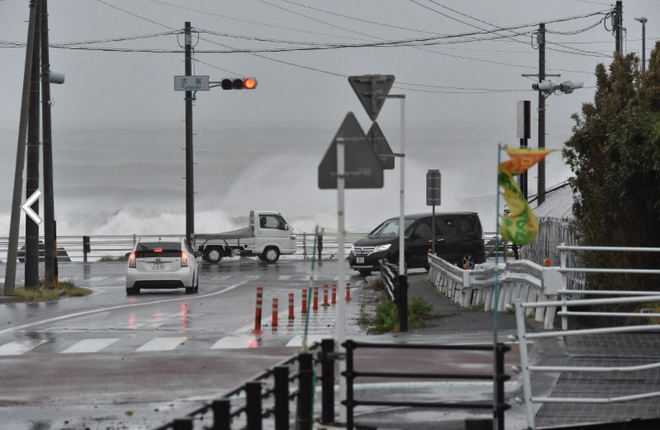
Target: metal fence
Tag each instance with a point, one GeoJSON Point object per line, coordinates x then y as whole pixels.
{"type": "Point", "coordinates": [565, 302]}
{"type": "Point", "coordinates": [112, 247]}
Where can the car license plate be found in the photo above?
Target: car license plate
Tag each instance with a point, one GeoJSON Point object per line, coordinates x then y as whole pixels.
{"type": "Point", "coordinates": [158, 266]}
{"type": "Point", "coordinates": [359, 260]}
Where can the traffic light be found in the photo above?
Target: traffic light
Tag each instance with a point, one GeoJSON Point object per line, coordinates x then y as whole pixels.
{"type": "Point", "coordinates": [238, 83]}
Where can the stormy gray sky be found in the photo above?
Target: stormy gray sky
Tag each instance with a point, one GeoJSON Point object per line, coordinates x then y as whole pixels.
{"type": "Point", "coordinates": [463, 66]}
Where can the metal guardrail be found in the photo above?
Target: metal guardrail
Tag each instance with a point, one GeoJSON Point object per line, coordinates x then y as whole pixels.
{"type": "Point", "coordinates": [565, 303]}
{"type": "Point", "coordinates": [113, 247]}
{"type": "Point", "coordinates": [397, 289]}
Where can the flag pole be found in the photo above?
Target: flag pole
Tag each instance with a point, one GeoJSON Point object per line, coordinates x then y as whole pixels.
{"type": "Point", "coordinates": [497, 287]}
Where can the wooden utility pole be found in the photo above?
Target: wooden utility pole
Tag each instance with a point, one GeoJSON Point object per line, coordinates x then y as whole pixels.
{"type": "Point", "coordinates": [541, 165]}
{"type": "Point", "coordinates": [33, 155]}
{"type": "Point", "coordinates": [14, 225]}
{"type": "Point", "coordinates": [50, 263]}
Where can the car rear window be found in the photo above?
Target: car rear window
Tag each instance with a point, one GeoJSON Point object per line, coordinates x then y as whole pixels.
{"type": "Point", "coordinates": [158, 249]}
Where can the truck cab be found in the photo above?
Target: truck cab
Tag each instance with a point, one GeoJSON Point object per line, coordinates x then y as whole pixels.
{"type": "Point", "coordinates": [268, 236]}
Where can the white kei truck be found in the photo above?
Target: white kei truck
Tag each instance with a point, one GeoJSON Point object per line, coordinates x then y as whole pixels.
{"type": "Point", "coordinates": [267, 237]}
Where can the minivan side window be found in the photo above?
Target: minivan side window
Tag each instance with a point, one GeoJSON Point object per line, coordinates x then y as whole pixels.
{"type": "Point", "coordinates": [447, 227]}
{"type": "Point", "coordinates": [466, 225]}
{"type": "Point", "coordinates": [424, 230]}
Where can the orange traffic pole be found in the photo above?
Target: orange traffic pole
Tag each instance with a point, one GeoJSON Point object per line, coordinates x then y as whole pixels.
{"type": "Point", "coordinates": [274, 323]}
{"type": "Point", "coordinates": [315, 304]}
{"type": "Point", "coordinates": [334, 293]}
{"type": "Point", "coordinates": [348, 291]}
{"type": "Point", "coordinates": [291, 316]}
{"type": "Point", "coordinates": [257, 317]}
{"type": "Point", "coordinates": [304, 300]}
{"type": "Point", "coordinates": [325, 295]}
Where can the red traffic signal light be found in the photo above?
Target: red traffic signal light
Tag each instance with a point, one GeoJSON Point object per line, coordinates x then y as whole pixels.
{"type": "Point", "coordinates": [238, 83]}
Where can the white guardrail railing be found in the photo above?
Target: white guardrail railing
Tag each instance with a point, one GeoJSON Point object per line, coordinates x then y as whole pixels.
{"type": "Point", "coordinates": [528, 287]}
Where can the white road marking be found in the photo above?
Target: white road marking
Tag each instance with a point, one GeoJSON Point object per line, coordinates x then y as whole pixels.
{"type": "Point", "coordinates": [19, 347]}
{"type": "Point", "coordinates": [161, 344]}
{"type": "Point", "coordinates": [236, 342]}
{"type": "Point", "coordinates": [89, 345]}
{"type": "Point", "coordinates": [298, 340]}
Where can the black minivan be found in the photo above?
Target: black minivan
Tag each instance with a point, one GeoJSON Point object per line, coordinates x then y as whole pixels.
{"type": "Point", "coordinates": [459, 240]}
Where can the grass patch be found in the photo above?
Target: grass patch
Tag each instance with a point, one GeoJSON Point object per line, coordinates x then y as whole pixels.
{"type": "Point", "coordinates": [385, 316]}
{"type": "Point", "coordinates": [45, 293]}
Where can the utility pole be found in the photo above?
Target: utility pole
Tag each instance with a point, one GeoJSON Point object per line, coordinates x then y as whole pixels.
{"type": "Point", "coordinates": [50, 259]}
{"type": "Point", "coordinates": [618, 26]}
{"type": "Point", "coordinates": [33, 156]}
{"type": "Point", "coordinates": [190, 183]}
{"type": "Point", "coordinates": [14, 225]}
{"type": "Point", "coordinates": [541, 166]}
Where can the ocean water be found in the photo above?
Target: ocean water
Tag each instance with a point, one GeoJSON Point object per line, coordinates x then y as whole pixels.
{"type": "Point", "coordinates": [131, 180]}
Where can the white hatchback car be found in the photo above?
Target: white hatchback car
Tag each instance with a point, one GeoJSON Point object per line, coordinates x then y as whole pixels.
{"type": "Point", "coordinates": [163, 265]}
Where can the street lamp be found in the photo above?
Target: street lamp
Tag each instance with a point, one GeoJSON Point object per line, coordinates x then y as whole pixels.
{"type": "Point", "coordinates": [643, 21]}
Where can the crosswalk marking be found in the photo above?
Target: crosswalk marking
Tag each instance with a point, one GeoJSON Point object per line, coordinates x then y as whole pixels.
{"type": "Point", "coordinates": [236, 342]}
{"type": "Point", "coordinates": [161, 344]}
{"type": "Point", "coordinates": [89, 345]}
{"type": "Point", "coordinates": [297, 341]}
{"type": "Point", "coordinates": [19, 347]}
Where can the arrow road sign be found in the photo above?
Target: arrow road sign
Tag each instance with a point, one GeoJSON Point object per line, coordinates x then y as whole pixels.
{"type": "Point", "coordinates": [28, 210]}
{"type": "Point", "coordinates": [363, 170]}
{"type": "Point", "coordinates": [372, 90]}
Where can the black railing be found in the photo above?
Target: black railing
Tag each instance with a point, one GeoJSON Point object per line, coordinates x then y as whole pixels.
{"type": "Point", "coordinates": [269, 395]}
{"type": "Point", "coordinates": [396, 286]}
{"type": "Point", "coordinates": [498, 406]}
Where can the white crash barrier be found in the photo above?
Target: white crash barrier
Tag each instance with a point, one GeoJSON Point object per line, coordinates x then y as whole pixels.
{"type": "Point", "coordinates": [520, 279]}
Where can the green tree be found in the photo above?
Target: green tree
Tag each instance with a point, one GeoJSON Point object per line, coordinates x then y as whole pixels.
{"type": "Point", "coordinates": [614, 154]}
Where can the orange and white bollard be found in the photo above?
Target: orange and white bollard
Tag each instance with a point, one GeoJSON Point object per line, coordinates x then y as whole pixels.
{"type": "Point", "coordinates": [315, 303]}
{"type": "Point", "coordinates": [325, 296]}
{"type": "Point", "coordinates": [291, 316]}
{"type": "Point", "coordinates": [304, 301]}
{"type": "Point", "coordinates": [257, 317]}
{"type": "Point", "coordinates": [334, 294]}
{"type": "Point", "coordinates": [348, 291]}
{"type": "Point", "coordinates": [274, 323]}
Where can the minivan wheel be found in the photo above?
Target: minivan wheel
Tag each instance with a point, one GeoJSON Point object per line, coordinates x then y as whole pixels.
{"type": "Point", "coordinates": [467, 261]}
{"type": "Point", "coordinates": [365, 272]}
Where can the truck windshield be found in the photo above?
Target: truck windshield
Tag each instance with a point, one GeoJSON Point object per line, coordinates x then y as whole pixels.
{"type": "Point", "coordinates": [390, 228]}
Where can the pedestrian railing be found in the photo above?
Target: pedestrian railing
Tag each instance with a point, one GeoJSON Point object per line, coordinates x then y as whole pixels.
{"type": "Point", "coordinates": [565, 302]}
{"type": "Point", "coordinates": [396, 287]}
{"type": "Point", "coordinates": [267, 400]}
{"type": "Point", "coordinates": [497, 405]}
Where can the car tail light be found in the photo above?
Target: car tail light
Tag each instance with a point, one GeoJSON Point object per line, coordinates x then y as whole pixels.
{"type": "Point", "coordinates": [131, 260]}
{"type": "Point", "coordinates": [184, 259]}
{"type": "Point", "coordinates": [158, 250]}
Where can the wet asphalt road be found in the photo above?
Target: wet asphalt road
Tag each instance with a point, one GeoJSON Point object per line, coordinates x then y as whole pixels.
{"type": "Point", "coordinates": [108, 361]}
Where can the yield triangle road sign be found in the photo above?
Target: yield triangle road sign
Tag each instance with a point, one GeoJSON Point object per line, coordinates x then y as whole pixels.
{"type": "Point", "coordinates": [362, 167]}
{"type": "Point", "coordinates": [371, 90]}
{"type": "Point", "coordinates": [381, 147]}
